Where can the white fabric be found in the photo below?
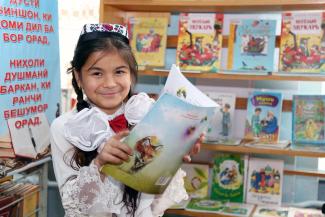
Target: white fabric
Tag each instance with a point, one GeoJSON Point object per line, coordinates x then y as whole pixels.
{"type": "Point", "coordinates": [135, 106]}
{"type": "Point", "coordinates": [84, 193]}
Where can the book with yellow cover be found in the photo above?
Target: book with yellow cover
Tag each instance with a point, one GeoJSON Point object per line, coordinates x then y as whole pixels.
{"type": "Point", "coordinates": [148, 36]}
{"type": "Point", "coordinates": [302, 47]}
{"type": "Point", "coordinates": [199, 41]}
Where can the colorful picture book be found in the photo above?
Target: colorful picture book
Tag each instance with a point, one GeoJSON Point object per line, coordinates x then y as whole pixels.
{"type": "Point", "coordinates": [222, 124]}
{"type": "Point", "coordinates": [302, 43]}
{"type": "Point", "coordinates": [148, 37]}
{"type": "Point", "coordinates": [199, 41]}
{"type": "Point", "coordinates": [196, 179]}
{"type": "Point", "coordinates": [228, 177]}
{"type": "Point", "coordinates": [263, 116]}
{"type": "Point", "coordinates": [271, 211]}
{"type": "Point", "coordinates": [264, 181]}
{"type": "Point", "coordinates": [237, 209]}
{"type": "Point", "coordinates": [204, 205]}
{"type": "Point", "coordinates": [308, 128]}
{"type": "Point", "coordinates": [295, 212]}
{"type": "Point", "coordinates": [251, 45]}
{"type": "Point", "coordinates": [163, 137]}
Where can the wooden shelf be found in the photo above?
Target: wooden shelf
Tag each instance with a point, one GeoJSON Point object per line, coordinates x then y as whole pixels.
{"type": "Point", "coordinates": [234, 76]}
{"type": "Point", "coordinates": [213, 5]}
{"type": "Point", "coordinates": [250, 150]}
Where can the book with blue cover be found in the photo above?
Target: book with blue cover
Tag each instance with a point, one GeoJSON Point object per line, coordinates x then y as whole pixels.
{"type": "Point", "coordinates": [308, 121]}
{"type": "Point", "coordinates": [164, 136]}
{"type": "Point", "coordinates": [251, 46]}
{"type": "Point", "coordinates": [263, 118]}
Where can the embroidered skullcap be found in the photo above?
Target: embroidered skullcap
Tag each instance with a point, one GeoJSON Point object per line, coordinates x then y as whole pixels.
{"type": "Point", "coordinates": [103, 30]}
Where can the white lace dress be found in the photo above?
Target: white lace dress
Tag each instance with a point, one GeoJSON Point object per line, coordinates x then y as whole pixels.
{"type": "Point", "coordinates": [84, 193]}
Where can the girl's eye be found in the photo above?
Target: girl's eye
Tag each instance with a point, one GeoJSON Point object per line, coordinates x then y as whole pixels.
{"type": "Point", "coordinates": [120, 72]}
{"type": "Point", "coordinates": [96, 73]}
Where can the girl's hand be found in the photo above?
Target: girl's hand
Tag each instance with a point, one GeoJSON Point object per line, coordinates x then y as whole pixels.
{"type": "Point", "coordinates": [114, 151]}
{"type": "Point", "coordinates": [194, 150]}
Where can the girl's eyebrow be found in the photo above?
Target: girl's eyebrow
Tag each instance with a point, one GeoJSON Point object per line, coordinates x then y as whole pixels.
{"type": "Point", "coordinates": [122, 67]}
{"type": "Point", "coordinates": [94, 68]}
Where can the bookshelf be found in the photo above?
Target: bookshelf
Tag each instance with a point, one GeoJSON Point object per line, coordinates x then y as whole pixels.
{"type": "Point", "coordinates": [114, 11]}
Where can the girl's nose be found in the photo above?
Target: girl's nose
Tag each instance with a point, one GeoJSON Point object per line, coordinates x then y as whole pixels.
{"type": "Point", "coordinates": [109, 81]}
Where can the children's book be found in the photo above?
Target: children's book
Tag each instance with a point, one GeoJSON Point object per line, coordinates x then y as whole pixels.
{"type": "Point", "coordinates": [302, 43]}
{"type": "Point", "coordinates": [199, 41]}
{"type": "Point", "coordinates": [263, 116]}
{"type": "Point", "coordinates": [163, 137]}
{"type": "Point", "coordinates": [264, 181]}
{"type": "Point", "coordinates": [148, 37]}
{"type": "Point", "coordinates": [295, 212]}
{"type": "Point", "coordinates": [204, 205]}
{"type": "Point", "coordinates": [251, 45]}
{"type": "Point", "coordinates": [271, 211]}
{"type": "Point", "coordinates": [228, 177]}
{"type": "Point", "coordinates": [308, 129]}
{"type": "Point", "coordinates": [237, 209]}
{"type": "Point", "coordinates": [196, 179]}
{"type": "Point", "coordinates": [222, 124]}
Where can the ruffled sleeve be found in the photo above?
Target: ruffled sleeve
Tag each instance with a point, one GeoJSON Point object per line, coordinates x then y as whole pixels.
{"type": "Point", "coordinates": [174, 193]}
{"type": "Point", "coordinates": [87, 195]}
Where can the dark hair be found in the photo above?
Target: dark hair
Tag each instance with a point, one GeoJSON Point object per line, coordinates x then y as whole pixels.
{"type": "Point", "coordinates": [81, 54]}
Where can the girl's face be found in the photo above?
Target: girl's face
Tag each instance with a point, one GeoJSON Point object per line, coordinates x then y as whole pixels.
{"type": "Point", "coordinates": [106, 80]}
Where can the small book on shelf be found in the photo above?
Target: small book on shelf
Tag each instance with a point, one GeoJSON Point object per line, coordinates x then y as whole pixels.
{"type": "Point", "coordinates": [251, 46]}
{"type": "Point", "coordinates": [199, 41]}
{"type": "Point", "coordinates": [164, 136]}
{"type": "Point", "coordinates": [264, 181]}
{"type": "Point", "coordinates": [228, 177]}
{"type": "Point", "coordinates": [237, 209]}
{"type": "Point", "coordinates": [204, 205]}
{"type": "Point", "coordinates": [302, 42]}
{"type": "Point", "coordinates": [148, 37]}
{"type": "Point", "coordinates": [271, 211]}
{"type": "Point", "coordinates": [308, 122]}
{"type": "Point", "coordinates": [263, 117]}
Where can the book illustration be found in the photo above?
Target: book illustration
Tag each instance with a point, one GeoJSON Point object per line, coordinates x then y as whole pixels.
{"type": "Point", "coordinates": [196, 180]}
{"type": "Point", "coordinates": [162, 138]}
{"type": "Point", "coordinates": [271, 211]}
{"type": "Point", "coordinates": [251, 45]}
{"type": "Point", "coordinates": [281, 144]}
{"type": "Point", "coordinates": [264, 183]}
{"type": "Point", "coordinates": [302, 42]}
{"type": "Point", "coordinates": [204, 205]}
{"type": "Point", "coordinates": [199, 41]}
{"type": "Point", "coordinates": [308, 120]}
{"type": "Point", "coordinates": [237, 209]}
{"type": "Point", "coordinates": [228, 178]}
{"type": "Point", "coordinates": [263, 116]}
{"type": "Point", "coordinates": [222, 123]}
{"type": "Point", "coordinates": [148, 37]}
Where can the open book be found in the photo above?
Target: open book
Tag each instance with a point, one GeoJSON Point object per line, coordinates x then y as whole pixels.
{"type": "Point", "coordinates": [164, 136]}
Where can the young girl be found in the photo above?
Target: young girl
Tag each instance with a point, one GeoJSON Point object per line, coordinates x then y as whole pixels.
{"type": "Point", "coordinates": [85, 139]}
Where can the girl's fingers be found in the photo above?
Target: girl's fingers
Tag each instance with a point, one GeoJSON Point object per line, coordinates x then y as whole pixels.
{"type": "Point", "coordinates": [187, 158]}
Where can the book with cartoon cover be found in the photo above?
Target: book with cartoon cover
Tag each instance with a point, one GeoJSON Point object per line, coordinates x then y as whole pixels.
{"type": "Point", "coordinates": [163, 137]}
{"type": "Point", "coordinates": [302, 45]}
{"type": "Point", "coordinates": [237, 209]}
{"type": "Point", "coordinates": [264, 181]}
{"type": "Point", "coordinates": [263, 117]}
{"type": "Point", "coordinates": [308, 121]}
{"type": "Point", "coordinates": [228, 177]}
{"type": "Point", "coordinates": [204, 205]}
{"type": "Point", "coordinates": [271, 211]}
{"type": "Point", "coordinates": [251, 45]}
{"type": "Point", "coordinates": [199, 41]}
{"type": "Point", "coordinates": [148, 37]}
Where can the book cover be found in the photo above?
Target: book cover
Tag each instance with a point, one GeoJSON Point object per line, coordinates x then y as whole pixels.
{"type": "Point", "coordinates": [163, 137]}
{"type": "Point", "coordinates": [308, 120]}
{"type": "Point", "coordinates": [148, 37]}
{"type": "Point", "coordinates": [271, 211]}
{"type": "Point", "coordinates": [302, 44]}
{"type": "Point", "coordinates": [295, 212]}
{"type": "Point", "coordinates": [222, 123]}
{"type": "Point", "coordinates": [264, 181]}
{"type": "Point", "coordinates": [199, 41]}
{"type": "Point", "coordinates": [237, 209]}
{"type": "Point", "coordinates": [228, 177]}
{"type": "Point", "coordinates": [196, 179]}
{"type": "Point", "coordinates": [263, 118]}
{"type": "Point", "coordinates": [204, 205]}
{"type": "Point", "coordinates": [251, 45]}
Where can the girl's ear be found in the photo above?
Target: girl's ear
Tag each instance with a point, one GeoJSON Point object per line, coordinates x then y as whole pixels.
{"type": "Point", "coordinates": [76, 75]}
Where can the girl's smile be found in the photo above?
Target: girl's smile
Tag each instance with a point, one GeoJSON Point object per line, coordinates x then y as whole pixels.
{"type": "Point", "coordinates": [105, 80]}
